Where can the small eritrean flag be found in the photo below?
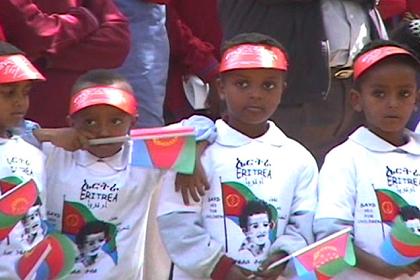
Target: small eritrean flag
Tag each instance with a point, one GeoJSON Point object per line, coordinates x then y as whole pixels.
{"type": "Point", "coordinates": [401, 247]}
{"type": "Point", "coordinates": [235, 198]}
{"type": "Point", "coordinates": [390, 204]}
{"type": "Point", "coordinates": [164, 148]}
{"type": "Point", "coordinates": [76, 216]}
{"type": "Point", "coordinates": [15, 201]}
{"type": "Point", "coordinates": [325, 258]}
{"type": "Point", "coordinates": [52, 258]}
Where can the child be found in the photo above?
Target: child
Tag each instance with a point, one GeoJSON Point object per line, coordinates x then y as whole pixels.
{"type": "Point", "coordinates": [251, 160]}
{"type": "Point", "coordinates": [20, 162]}
{"type": "Point", "coordinates": [97, 188]}
{"type": "Point", "coordinates": [380, 155]}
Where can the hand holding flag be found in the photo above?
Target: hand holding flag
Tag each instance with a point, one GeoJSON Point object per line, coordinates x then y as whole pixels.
{"type": "Point", "coordinates": [324, 258]}
{"type": "Point", "coordinates": [163, 147]}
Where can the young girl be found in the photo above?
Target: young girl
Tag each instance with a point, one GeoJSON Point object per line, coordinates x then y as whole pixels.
{"type": "Point", "coordinates": [21, 165]}
{"type": "Point", "coordinates": [380, 155]}
{"type": "Point", "coordinates": [251, 161]}
{"type": "Point", "coordinates": [96, 196]}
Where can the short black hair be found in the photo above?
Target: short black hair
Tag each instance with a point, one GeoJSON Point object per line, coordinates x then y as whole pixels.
{"type": "Point", "coordinates": [9, 49]}
{"type": "Point", "coordinates": [397, 58]}
{"type": "Point", "coordinates": [91, 228]}
{"type": "Point", "coordinates": [251, 38]}
{"type": "Point", "coordinates": [253, 207]}
{"type": "Point", "coordinates": [97, 77]}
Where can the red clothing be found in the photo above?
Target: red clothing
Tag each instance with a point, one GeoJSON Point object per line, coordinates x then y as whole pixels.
{"type": "Point", "coordinates": [64, 40]}
{"type": "Point", "coordinates": [391, 8]}
{"type": "Point", "coordinates": [194, 36]}
{"type": "Point", "coordinates": [2, 37]}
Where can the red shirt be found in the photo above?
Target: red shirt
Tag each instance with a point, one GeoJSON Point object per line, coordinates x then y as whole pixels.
{"type": "Point", "coordinates": [194, 35]}
{"type": "Point", "coordinates": [64, 40]}
{"type": "Point", "coordinates": [391, 8]}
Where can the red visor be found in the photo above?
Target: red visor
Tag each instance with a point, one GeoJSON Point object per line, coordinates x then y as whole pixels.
{"type": "Point", "coordinates": [16, 68]}
{"type": "Point", "coordinates": [102, 95]}
{"type": "Point", "coordinates": [251, 56]}
{"type": "Point", "coordinates": [371, 58]}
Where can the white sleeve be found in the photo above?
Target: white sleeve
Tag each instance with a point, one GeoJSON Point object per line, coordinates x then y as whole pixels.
{"type": "Point", "coordinates": [188, 243]}
{"type": "Point", "coordinates": [337, 187]}
{"type": "Point", "coordinates": [418, 128]}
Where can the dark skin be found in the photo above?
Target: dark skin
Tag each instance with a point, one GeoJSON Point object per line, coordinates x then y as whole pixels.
{"type": "Point", "coordinates": [374, 265]}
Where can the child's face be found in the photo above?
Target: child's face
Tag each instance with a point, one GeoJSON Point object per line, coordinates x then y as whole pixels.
{"type": "Point", "coordinates": [14, 103]}
{"type": "Point", "coordinates": [251, 96]}
{"type": "Point", "coordinates": [258, 228]}
{"type": "Point", "coordinates": [103, 121]}
{"type": "Point", "coordinates": [93, 243]}
{"type": "Point", "coordinates": [387, 98]}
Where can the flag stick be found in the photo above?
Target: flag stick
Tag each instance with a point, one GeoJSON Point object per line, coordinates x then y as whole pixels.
{"type": "Point", "coordinates": [307, 248]}
{"type": "Point", "coordinates": [224, 215]}
{"type": "Point", "coordinates": [120, 139]}
{"type": "Point", "coordinates": [38, 263]}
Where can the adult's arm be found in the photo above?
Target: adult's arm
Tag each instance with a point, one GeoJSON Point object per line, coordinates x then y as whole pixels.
{"type": "Point", "coordinates": [106, 47]}
{"type": "Point", "coordinates": [195, 53]}
{"type": "Point", "coordinates": [38, 33]}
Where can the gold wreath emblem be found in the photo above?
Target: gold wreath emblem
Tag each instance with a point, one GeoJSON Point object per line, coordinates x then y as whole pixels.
{"type": "Point", "coordinates": [387, 207]}
{"type": "Point", "coordinates": [232, 200]}
{"type": "Point", "coordinates": [325, 255]}
{"type": "Point", "coordinates": [165, 142]}
{"type": "Point", "coordinates": [19, 205]}
{"type": "Point", "coordinates": [72, 220]}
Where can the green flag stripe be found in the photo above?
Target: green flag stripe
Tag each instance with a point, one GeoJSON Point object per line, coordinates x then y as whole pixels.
{"type": "Point", "coordinates": [8, 221]}
{"type": "Point", "coordinates": [403, 234]}
{"type": "Point", "coordinates": [242, 189]}
{"type": "Point", "coordinates": [187, 157]}
{"type": "Point", "coordinates": [394, 196]}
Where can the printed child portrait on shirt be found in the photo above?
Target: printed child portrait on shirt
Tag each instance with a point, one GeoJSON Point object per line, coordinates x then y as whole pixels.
{"type": "Point", "coordinates": [32, 223]}
{"type": "Point", "coordinates": [256, 223]}
{"type": "Point", "coordinates": [90, 240]}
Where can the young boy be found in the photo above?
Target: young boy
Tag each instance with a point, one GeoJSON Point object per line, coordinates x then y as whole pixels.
{"type": "Point", "coordinates": [20, 163]}
{"type": "Point", "coordinates": [250, 160]}
{"type": "Point", "coordinates": [97, 187]}
{"type": "Point", "coordinates": [382, 155]}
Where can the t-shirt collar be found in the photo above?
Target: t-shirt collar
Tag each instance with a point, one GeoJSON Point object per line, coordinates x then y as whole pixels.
{"type": "Point", "coordinates": [371, 141]}
{"type": "Point", "coordinates": [228, 136]}
{"type": "Point", "coordinates": [117, 162]}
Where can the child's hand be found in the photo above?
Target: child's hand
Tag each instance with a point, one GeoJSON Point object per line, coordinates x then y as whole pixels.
{"type": "Point", "coordinates": [275, 272]}
{"type": "Point", "coordinates": [238, 273]}
{"type": "Point", "coordinates": [194, 185]}
{"type": "Point", "coordinates": [67, 138]}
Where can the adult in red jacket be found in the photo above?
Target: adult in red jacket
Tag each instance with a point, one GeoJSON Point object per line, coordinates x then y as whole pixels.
{"type": "Point", "coordinates": [64, 39]}
{"type": "Point", "coordinates": [391, 8]}
{"type": "Point", "coordinates": [194, 35]}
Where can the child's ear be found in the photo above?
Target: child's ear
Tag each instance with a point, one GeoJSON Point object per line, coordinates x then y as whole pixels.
{"type": "Point", "coordinates": [356, 100]}
{"type": "Point", "coordinates": [220, 86]}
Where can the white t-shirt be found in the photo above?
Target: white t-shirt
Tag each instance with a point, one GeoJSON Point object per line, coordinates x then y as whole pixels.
{"type": "Point", "coordinates": [22, 160]}
{"type": "Point", "coordinates": [418, 128]}
{"type": "Point", "coordinates": [116, 194]}
{"type": "Point", "coordinates": [273, 170]}
{"type": "Point", "coordinates": [349, 177]}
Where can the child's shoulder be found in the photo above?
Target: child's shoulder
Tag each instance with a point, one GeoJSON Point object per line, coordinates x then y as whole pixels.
{"type": "Point", "coordinates": [19, 145]}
